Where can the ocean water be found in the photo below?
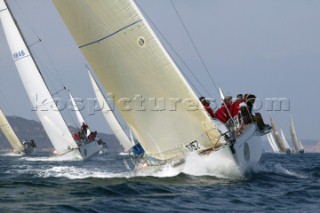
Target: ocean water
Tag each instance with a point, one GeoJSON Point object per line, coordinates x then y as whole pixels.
{"type": "Point", "coordinates": [280, 183]}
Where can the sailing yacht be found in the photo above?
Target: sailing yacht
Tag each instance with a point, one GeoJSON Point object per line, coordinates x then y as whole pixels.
{"type": "Point", "coordinates": [298, 148]}
{"type": "Point", "coordinates": [50, 117]}
{"type": "Point", "coordinates": [150, 92]}
{"type": "Point", "coordinates": [26, 147]}
{"type": "Point", "coordinates": [90, 135]}
{"type": "Point", "coordinates": [285, 142]}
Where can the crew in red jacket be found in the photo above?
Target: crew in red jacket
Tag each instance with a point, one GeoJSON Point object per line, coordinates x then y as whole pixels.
{"type": "Point", "coordinates": [207, 107]}
{"type": "Point", "coordinates": [235, 106]}
{"type": "Point", "coordinates": [222, 113]}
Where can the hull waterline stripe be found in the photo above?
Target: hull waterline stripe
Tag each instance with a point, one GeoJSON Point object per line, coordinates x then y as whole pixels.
{"type": "Point", "coordinates": [96, 41]}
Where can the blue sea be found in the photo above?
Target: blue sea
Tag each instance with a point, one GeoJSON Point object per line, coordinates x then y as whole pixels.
{"type": "Point", "coordinates": [280, 183]}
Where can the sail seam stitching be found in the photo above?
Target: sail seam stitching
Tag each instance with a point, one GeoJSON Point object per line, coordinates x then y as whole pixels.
{"type": "Point", "coordinates": [96, 41]}
{"type": "Point", "coordinates": [3, 10]}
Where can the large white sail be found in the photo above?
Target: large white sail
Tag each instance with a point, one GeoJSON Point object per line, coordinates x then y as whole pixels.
{"type": "Point", "coordinates": [150, 92]}
{"type": "Point", "coordinates": [9, 133]}
{"type": "Point", "coordinates": [296, 142]}
{"type": "Point", "coordinates": [277, 136]}
{"type": "Point", "coordinates": [110, 117]}
{"type": "Point", "coordinates": [272, 143]}
{"type": "Point", "coordinates": [39, 95]}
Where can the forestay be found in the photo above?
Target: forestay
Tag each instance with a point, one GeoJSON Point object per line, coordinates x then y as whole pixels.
{"type": "Point", "coordinates": [9, 133]}
{"type": "Point", "coordinates": [149, 91]}
{"type": "Point", "coordinates": [39, 95]}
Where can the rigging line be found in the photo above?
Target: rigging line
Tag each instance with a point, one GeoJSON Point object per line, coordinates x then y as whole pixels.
{"type": "Point", "coordinates": [180, 58]}
{"type": "Point", "coordinates": [34, 43]}
{"type": "Point", "coordinates": [194, 45]}
{"type": "Point", "coordinates": [57, 92]}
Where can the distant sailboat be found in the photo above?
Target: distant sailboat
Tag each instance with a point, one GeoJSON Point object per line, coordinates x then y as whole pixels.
{"type": "Point", "coordinates": [39, 95]}
{"type": "Point", "coordinates": [272, 143]}
{"type": "Point", "coordinates": [131, 63]}
{"type": "Point", "coordinates": [81, 121]}
{"type": "Point", "coordinates": [26, 147]}
{"type": "Point", "coordinates": [277, 136]}
{"type": "Point", "coordinates": [285, 142]}
{"type": "Point", "coordinates": [298, 148]}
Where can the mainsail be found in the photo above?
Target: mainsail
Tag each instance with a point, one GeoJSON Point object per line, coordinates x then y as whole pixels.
{"type": "Point", "coordinates": [110, 117]}
{"type": "Point", "coordinates": [38, 93]}
{"type": "Point", "coordinates": [296, 142]}
{"type": "Point", "coordinates": [277, 136]}
{"type": "Point", "coordinates": [9, 133]}
{"type": "Point", "coordinates": [150, 92]}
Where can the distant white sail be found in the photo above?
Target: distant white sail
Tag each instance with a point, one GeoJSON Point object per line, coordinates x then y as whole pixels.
{"type": "Point", "coordinates": [9, 134]}
{"type": "Point", "coordinates": [277, 136]}
{"type": "Point", "coordinates": [78, 113]}
{"type": "Point", "coordinates": [285, 142]}
{"type": "Point", "coordinates": [296, 142]}
{"type": "Point", "coordinates": [272, 143]}
{"type": "Point", "coordinates": [38, 93]}
{"type": "Point", "coordinates": [110, 117]}
{"type": "Point", "coordinates": [132, 64]}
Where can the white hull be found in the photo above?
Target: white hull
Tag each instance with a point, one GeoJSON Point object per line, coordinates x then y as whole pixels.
{"type": "Point", "coordinates": [85, 151]}
{"type": "Point", "coordinates": [89, 149]}
{"type": "Point", "coordinates": [247, 154]}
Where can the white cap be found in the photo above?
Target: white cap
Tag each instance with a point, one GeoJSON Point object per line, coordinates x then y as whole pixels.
{"type": "Point", "coordinates": [243, 104]}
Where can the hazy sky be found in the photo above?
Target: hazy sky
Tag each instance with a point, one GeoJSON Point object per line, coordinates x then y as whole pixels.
{"type": "Point", "coordinates": [269, 48]}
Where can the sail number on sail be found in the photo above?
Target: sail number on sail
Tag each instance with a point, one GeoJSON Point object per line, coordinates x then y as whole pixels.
{"type": "Point", "coordinates": [19, 54]}
{"type": "Point", "coordinates": [193, 146]}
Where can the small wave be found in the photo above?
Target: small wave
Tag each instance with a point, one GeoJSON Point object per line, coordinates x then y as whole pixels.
{"type": "Point", "coordinates": [279, 169]}
{"type": "Point", "coordinates": [70, 172]}
{"type": "Point", "coordinates": [11, 154]}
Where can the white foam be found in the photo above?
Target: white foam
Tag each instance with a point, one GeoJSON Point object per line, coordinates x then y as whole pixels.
{"type": "Point", "coordinates": [211, 165]}
{"type": "Point", "coordinates": [195, 165]}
